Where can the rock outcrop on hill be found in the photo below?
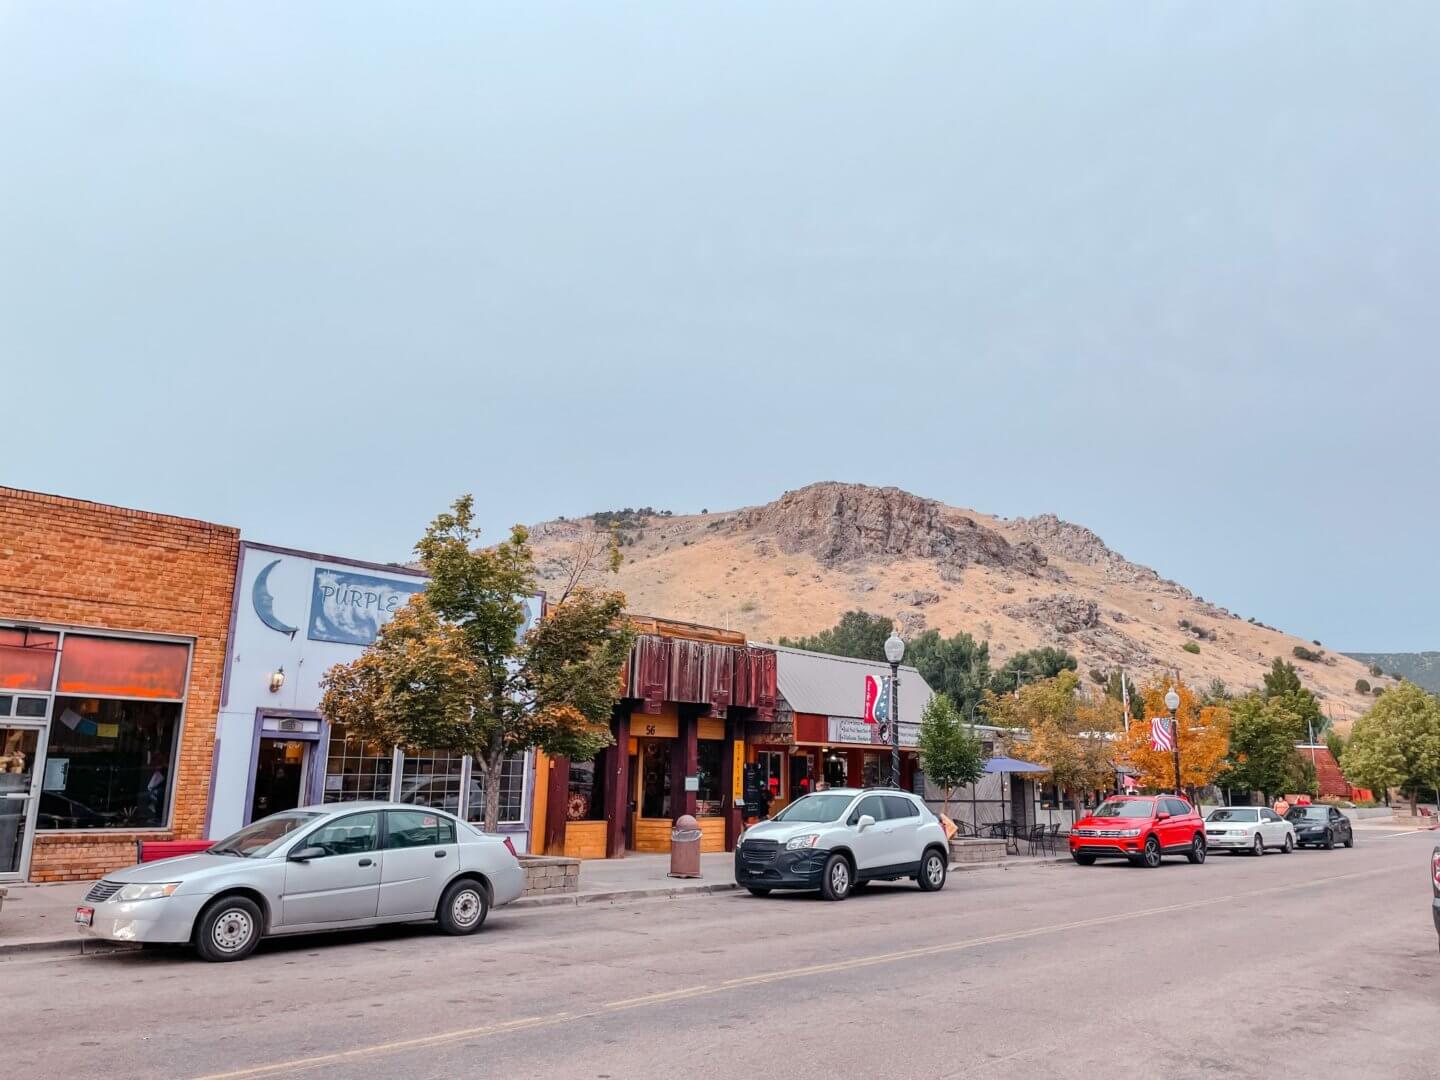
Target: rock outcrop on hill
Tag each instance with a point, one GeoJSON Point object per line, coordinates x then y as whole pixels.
{"type": "Point", "coordinates": [849, 523]}
{"type": "Point", "coordinates": [793, 566]}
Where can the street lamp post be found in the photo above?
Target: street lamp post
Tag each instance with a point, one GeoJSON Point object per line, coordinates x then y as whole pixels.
{"type": "Point", "coordinates": [1172, 702]}
{"type": "Point", "coordinates": [894, 652]}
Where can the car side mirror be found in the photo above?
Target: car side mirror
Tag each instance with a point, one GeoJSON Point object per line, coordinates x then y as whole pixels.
{"type": "Point", "coordinates": [305, 854]}
{"type": "Point", "coordinates": [865, 822]}
{"type": "Point", "coordinates": [1161, 816]}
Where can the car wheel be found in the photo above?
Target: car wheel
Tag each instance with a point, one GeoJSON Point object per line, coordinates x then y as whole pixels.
{"type": "Point", "coordinates": [1196, 854]}
{"type": "Point", "coordinates": [932, 872]}
{"type": "Point", "coordinates": [463, 908]}
{"type": "Point", "coordinates": [229, 929]}
{"type": "Point", "coordinates": [756, 890]}
{"type": "Point", "coordinates": [1329, 841]}
{"type": "Point", "coordinates": [1258, 847]}
{"type": "Point", "coordinates": [836, 882]}
{"type": "Point", "coordinates": [1289, 845]}
{"type": "Point", "coordinates": [1084, 860]}
{"type": "Point", "coordinates": [1350, 839]}
{"type": "Point", "coordinates": [1150, 857]}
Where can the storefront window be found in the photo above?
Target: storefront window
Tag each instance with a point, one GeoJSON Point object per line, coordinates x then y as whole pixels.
{"type": "Point", "coordinates": [708, 799]}
{"type": "Point", "coordinates": [356, 770]}
{"type": "Point", "coordinates": [27, 658]}
{"type": "Point", "coordinates": [873, 768]}
{"type": "Point", "coordinates": [109, 765]}
{"type": "Point", "coordinates": [512, 791]}
{"type": "Point", "coordinates": [772, 771]}
{"type": "Point", "coordinates": [586, 801]}
{"type": "Point", "coordinates": [799, 775]}
{"type": "Point", "coordinates": [432, 779]}
{"type": "Point", "coordinates": [119, 667]}
{"type": "Point", "coordinates": [836, 769]}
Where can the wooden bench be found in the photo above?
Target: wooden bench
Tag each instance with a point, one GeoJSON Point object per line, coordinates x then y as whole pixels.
{"type": "Point", "coordinates": [154, 850]}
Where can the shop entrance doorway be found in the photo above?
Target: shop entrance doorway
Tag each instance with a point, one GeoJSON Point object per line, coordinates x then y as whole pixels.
{"type": "Point", "coordinates": [280, 769]}
{"type": "Point", "coordinates": [21, 765]}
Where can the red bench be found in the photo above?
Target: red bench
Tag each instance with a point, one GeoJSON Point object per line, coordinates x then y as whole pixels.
{"type": "Point", "coordinates": [154, 850]}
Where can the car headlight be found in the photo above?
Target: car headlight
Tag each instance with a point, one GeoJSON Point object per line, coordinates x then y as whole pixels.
{"type": "Point", "coordinates": [147, 892]}
{"type": "Point", "coordinates": [1128, 832]}
{"type": "Point", "coordinates": [795, 843]}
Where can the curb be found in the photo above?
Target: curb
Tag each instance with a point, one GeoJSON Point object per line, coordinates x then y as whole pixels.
{"type": "Point", "coordinates": [77, 945]}
{"type": "Point", "coordinates": [669, 892]}
{"type": "Point", "coordinates": [1001, 865]}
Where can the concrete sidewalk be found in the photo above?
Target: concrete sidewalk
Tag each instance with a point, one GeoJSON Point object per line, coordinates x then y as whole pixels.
{"type": "Point", "coordinates": [35, 918]}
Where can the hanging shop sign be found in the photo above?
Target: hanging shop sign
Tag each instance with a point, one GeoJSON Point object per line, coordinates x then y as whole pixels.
{"type": "Point", "coordinates": [853, 730]}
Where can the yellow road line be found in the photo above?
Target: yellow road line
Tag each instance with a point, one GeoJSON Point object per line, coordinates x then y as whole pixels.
{"type": "Point", "coordinates": [485, 1031]}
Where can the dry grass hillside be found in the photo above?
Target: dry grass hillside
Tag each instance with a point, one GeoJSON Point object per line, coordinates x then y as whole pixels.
{"type": "Point", "coordinates": [794, 565]}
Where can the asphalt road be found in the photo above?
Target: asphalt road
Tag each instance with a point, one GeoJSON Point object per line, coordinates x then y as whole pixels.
{"type": "Point", "coordinates": [1319, 964]}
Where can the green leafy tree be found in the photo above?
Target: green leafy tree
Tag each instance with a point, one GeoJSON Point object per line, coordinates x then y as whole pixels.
{"type": "Point", "coordinates": [950, 753]}
{"type": "Point", "coordinates": [1069, 737]}
{"type": "Point", "coordinates": [1397, 743]}
{"type": "Point", "coordinates": [1282, 683]}
{"type": "Point", "coordinates": [453, 672]}
{"type": "Point", "coordinates": [1116, 690]}
{"type": "Point", "coordinates": [1034, 665]}
{"type": "Point", "coordinates": [858, 633]}
{"type": "Point", "coordinates": [958, 667]}
{"type": "Point", "coordinates": [1263, 735]}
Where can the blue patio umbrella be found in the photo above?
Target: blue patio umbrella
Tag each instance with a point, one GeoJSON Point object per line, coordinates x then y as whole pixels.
{"type": "Point", "coordinates": [1002, 764]}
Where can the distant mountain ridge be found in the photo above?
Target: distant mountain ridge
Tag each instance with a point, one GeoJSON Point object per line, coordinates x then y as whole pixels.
{"type": "Point", "coordinates": [793, 566]}
{"type": "Point", "coordinates": [1421, 668]}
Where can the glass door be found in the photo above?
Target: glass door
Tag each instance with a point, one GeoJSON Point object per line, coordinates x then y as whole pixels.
{"type": "Point", "coordinates": [21, 753]}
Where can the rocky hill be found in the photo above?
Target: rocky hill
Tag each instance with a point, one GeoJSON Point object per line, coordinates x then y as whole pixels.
{"type": "Point", "coordinates": [794, 565]}
{"type": "Point", "coordinates": [1421, 668]}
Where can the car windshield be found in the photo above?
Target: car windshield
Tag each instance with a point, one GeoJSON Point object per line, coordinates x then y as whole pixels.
{"type": "Point", "coordinates": [1233, 815]}
{"type": "Point", "coordinates": [1313, 813]}
{"type": "Point", "coordinates": [815, 808]}
{"type": "Point", "coordinates": [261, 837]}
{"type": "Point", "coordinates": [1133, 808]}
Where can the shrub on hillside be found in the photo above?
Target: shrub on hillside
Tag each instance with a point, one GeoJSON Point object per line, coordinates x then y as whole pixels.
{"type": "Point", "coordinates": [1375, 671]}
{"type": "Point", "coordinates": [1191, 647]}
{"type": "Point", "coordinates": [1362, 686]}
{"type": "Point", "coordinates": [1303, 653]}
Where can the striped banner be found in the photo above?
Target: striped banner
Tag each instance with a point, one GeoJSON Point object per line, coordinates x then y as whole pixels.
{"type": "Point", "coordinates": [1161, 736]}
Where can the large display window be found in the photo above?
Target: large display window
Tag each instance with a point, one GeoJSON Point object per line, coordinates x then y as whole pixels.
{"type": "Point", "coordinates": [111, 709]}
{"type": "Point", "coordinates": [110, 764]}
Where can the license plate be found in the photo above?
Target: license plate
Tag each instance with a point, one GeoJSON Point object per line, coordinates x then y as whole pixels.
{"type": "Point", "coordinates": [85, 916]}
{"type": "Point", "coordinates": [755, 868]}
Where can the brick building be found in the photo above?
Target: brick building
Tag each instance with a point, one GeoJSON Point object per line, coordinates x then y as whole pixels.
{"type": "Point", "coordinates": [113, 627]}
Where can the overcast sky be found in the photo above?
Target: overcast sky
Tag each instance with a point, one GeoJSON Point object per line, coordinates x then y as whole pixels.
{"type": "Point", "coordinates": [1167, 270]}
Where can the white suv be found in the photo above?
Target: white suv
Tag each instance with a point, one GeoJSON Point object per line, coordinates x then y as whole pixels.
{"type": "Point", "coordinates": [839, 840]}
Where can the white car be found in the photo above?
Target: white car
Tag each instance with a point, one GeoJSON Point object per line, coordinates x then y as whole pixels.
{"type": "Point", "coordinates": [840, 840]}
{"type": "Point", "coordinates": [1248, 828]}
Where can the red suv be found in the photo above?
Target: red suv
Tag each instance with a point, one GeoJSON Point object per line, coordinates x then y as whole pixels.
{"type": "Point", "coordinates": [1141, 829]}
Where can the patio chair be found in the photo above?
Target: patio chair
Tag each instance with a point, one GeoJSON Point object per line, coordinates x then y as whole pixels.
{"type": "Point", "coordinates": [1055, 838]}
{"type": "Point", "coordinates": [1036, 839]}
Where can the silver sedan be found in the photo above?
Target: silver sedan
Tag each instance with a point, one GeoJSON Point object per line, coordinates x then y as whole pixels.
{"type": "Point", "coordinates": [329, 867]}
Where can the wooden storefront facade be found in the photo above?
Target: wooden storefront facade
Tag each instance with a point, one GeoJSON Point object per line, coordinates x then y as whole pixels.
{"type": "Point", "coordinates": [691, 695]}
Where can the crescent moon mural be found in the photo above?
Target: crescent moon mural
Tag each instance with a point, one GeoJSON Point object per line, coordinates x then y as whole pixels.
{"type": "Point", "coordinates": [265, 603]}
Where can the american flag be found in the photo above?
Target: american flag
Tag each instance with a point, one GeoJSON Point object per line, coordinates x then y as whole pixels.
{"type": "Point", "coordinates": [1161, 737]}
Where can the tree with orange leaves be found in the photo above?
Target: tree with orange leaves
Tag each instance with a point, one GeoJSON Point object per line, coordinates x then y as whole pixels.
{"type": "Point", "coordinates": [1204, 739]}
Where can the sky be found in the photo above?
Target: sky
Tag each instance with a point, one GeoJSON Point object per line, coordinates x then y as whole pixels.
{"type": "Point", "coordinates": [1167, 270]}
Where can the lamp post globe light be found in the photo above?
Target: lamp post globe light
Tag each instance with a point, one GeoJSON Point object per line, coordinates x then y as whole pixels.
{"type": "Point", "coordinates": [894, 652]}
{"type": "Point", "coordinates": [1172, 702]}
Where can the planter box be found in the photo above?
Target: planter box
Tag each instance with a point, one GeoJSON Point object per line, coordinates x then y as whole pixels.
{"type": "Point", "coordinates": [549, 875]}
{"type": "Point", "coordinates": [970, 850]}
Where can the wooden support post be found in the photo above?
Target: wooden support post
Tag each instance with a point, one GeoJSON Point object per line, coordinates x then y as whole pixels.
{"type": "Point", "coordinates": [684, 761]}
{"type": "Point", "coordinates": [617, 787]}
{"type": "Point", "coordinates": [557, 805]}
{"type": "Point", "coordinates": [734, 730]}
